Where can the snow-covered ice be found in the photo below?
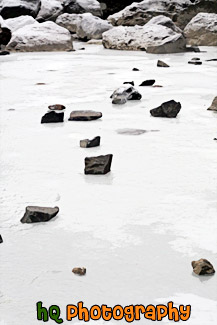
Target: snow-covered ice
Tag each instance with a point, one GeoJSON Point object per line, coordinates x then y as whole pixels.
{"type": "Point", "coordinates": [136, 229]}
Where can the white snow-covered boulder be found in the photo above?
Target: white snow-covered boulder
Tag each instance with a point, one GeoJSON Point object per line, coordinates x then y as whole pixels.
{"type": "Point", "coordinates": [69, 21]}
{"type": "Point", "coordinates": [16, 8]}
{"type": "Point", "coordinates": [86, 26]}
{"type": "Point", "coordinates": [50, 10]}
{"type": "Point", "coordinates": [202, 30]}
{"type": "Point", "coordinates": [154, 37]}
{"type": "Point", "coordinates": [19, 22]}
{"type": "Point", "coordinates": [46, 36]}
{"type": "Point", "coordinates": [92, 27]}
{"type": "Point", "coordinates": [180, 11]}
{"type": "Point", "coordinates": [82, 6]}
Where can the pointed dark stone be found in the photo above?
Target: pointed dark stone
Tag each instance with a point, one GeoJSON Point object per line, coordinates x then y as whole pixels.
{"type": "Point", "coordinates": [52, 117]}
{"type": "Point", "coordinates": [35, 214]}
{"type": "Point", "coordinates": [100, 165]}
{"type": "Point", "coordinates": [95, 142]}
{"type": "Point", "coordinates": [147, 83]}
{"type": "Point", "coordinates": [168, 109]}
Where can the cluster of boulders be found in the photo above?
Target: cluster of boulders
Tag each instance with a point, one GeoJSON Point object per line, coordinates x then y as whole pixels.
{"type": "Point", "coordinates": [154, 26]}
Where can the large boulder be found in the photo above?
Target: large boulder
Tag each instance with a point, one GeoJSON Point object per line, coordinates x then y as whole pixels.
{"type": "Point", "coordinates": [86, 26]}
{"type": "Point", "coordinates": [112, 6]}
{"type": "Point", "coordinates": [159, 35]}
{"type": "Point", "coordinates": [16, 8]}
{"type": "Point", "coordinates": [202, 30]}
{"type": "Point", "coordinates": [35, 214]}
{"type": "Point", "coordinates": [69, 21]}
{"type": "Point", "coordinates": [19, 22]}
{"type": "Point", "coordinates": [46, 36]}
{"type": "Point", "coordinates": [125, 93]}
{"type": "Point", "coordinates": [82, 6]}
{"type": "Point", "coordinates": [91, 27]}
{"type": "Point", "coordinates": [50, 10]}
{"type": "Point", "coordinates": [180, 11]}
{"type": "Point", "coordinates": [5, 33]}
{"type": "Point", "coordinates": [168, 109]}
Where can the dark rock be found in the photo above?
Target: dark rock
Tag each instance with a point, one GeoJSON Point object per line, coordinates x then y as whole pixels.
{"type": "Point", "coordinates": [162, 64]}
{"type": "Point", "coordinates": [195, 59]}
{"type": "Point", "coordinates": [215, 139]}
{"type": "Point", "coordinates": [100, 165]}
{"type": "Point", "coordinates": [147, 83]}
{"type": "Point", "coordinates": [18, 8]}
{"type": "Point", "coordinates": [1, 240]}
{"type": "Point", "coordinates": [5, 35]}
{"type": "Point", "coordinates": [56, 107]}
{"type": "Point", "coordinates": [35, 214]}
{"type": "Point", "coordinates": [79, 270]}
{"type": "Point", "coordinates": [210, 60]}
{"type": "Point", "coordinates": [213, 106]}
{"type": "Point", "coordinates": [52, 117]}
{"type": "Point", "coordinates": [95, 142]}
{"type": "Point", "coordinates": [157, 86]}
{"type": "Point", "coordinates": [135, 69]}
{"type": "Point", "coordinates": [129, 82]}
{"type": "Point", "coordinates": [203, 267]}
{"type": "Point", "coordinates": [84, 115]}
{"type": "Point", "coordinates": [4, 53]}
{"type": "Point", "coordinates": [168, 109]}
{"type": "Point", "coordinates": [195, 62]}
{"type": "Point", "coordinates": [40, 84]}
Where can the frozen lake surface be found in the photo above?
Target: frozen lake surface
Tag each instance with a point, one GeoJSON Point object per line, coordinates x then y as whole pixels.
{"type": "Point", "coordinates": [136, 229]}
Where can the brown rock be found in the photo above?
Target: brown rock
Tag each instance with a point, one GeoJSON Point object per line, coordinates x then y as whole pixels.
{"type": "Point", "coordinates": [202, 267]}
{"type": "Point", "coordinates": [56, 107]}
{"type": "Point", "coordinates": [79, 271]}
{"type": "Point", "coordinates": [162, 64]}
{"type": "Point", "coordinates": [84, 115]}
{"type": "Point", "coordinates": [213, 107]}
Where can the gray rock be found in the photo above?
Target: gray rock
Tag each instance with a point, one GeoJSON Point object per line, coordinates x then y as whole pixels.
{"type": "Point", "coordinates": [203, 267]}
{"type": "Point", "coordinates": [95, 142]}
{"type": "Point", "coordinates": [84, 115]}
{"type": "Point", "coordinates": [100, 165]}
{"type": "Point", "coordinates": [213, 107]}
{"type": "Point", "coordinates": [35, 214]}
{"type": "Point", "coordinates": [162, 64]}
{"type": "Point", "coordinates": [52, 117]}
{"type": "Point", "coordinates": [147, 83]}
{"type": "Point", "coordinates": [202, 30]}
{"type": "Point", "coordinates": [168, 109]}
{"type": "Point", "coordinates": [125, 93]}
{"type": "Point", "coordinates": [50, 10]}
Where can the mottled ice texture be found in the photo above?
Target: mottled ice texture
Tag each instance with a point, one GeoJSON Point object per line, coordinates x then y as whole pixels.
{"type": "Point", "coordinates": [136, 229]}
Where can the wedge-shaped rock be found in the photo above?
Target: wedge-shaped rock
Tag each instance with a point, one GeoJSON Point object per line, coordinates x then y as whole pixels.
{"type": "Point", "coordinates": [100, 165]}
{"type": "Point", "coordinates": [50, 10]}
{"type": "Point", "coordinates": [35, 214]}
{"type": "Point", "coordinates": [52, 117]}
{"type": "Point", "coordinates": [168, 109]}
{"type": "Point", "coordinates": [213, 107]}
{"type": "Point", "coordinates": [95, 142]}
{"type": "Point", "coordinates": [154, 37]}
{"type": "Point", "coordinates": [16, 8]}
{"type": "Point", "coordinates": [180, 11]}
{"type": "Point", "coordinates": [46, 36]}
{"type": "Point", "coordinates": [203, 267]}
{"type": "Point", "coordinates": [147, 83]}
{"type": "Point", "coordinates": [84, 115]}
{"type": "Point", "coordinates": [202, 30]}
{"type": "Point", "coordinates": [162, 64]}
{"type": "Point", "coordinates": [125, 93]}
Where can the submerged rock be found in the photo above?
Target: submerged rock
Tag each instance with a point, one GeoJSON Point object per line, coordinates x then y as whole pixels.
{"type": "Point", "coordinates": [162, 64]}
{"type": "Point", "coordinates": [195, 61]}
{"type": "Point", "coordinates": [125, 93]}
{"type": "Point", "coordinates": [35, 214]}
{"type": "Point", "coordinates": [1, 240]}
{"type": "Point", "coordinates": [202, 30]}
{"type": "Point", "coordinates": [84, 115]}
{"type": "Point", "coordinates": [95, 142]}
{"type": "Point", "coordinates": [203, 267]}
{"type": "Point", "coordinates": [159, 36]}
{"type": "Point", "coordinates": [100, 165]}
{"type": "Point", "coordinates": [135, 69]}
{"type": "Point", "coordinates": [79, 270]}
{"type": "Point", "coordinates": [56, 107]}
{"type": "Point", "coordinates": [168, 109]}
{"type": "Point", "coordinates": [15, 8]}
{"type": "Point", "coordinates": [52, 117]}
{"type": "Point", "coordinates": [147, 83]}
{"type": "Point", "coordinates": [213, 107]}
{"type": "Point", "coordinates": [46, 36]}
